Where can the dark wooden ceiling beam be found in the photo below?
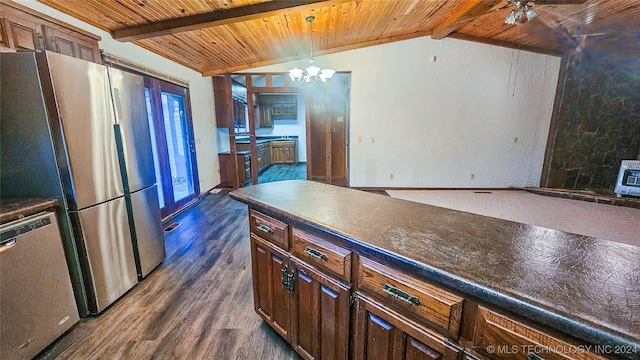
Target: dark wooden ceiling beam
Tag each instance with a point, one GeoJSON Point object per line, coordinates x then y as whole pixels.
{"type": "Point", "coordinates": [467, 11]}
{"type": "Point", "coordinates": [215, 18]}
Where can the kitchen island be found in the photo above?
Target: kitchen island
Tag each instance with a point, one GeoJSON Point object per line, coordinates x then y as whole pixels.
{"type": "Point", "coordinates": [431, 280]}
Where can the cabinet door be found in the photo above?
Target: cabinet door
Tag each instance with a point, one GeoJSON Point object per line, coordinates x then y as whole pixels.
{"type": "Point", "coordinates": [321, 313]}
{"type": "Point", "coordinates": [23, 32]}
{"type": "Point", "coordinates": [60, 41]}
{"type": "Point", "coordinates": [272, 300]}
{"type": "Point", "coordinates": [384, 334]}
{"type": "Point", "coordinates": [265, 116]}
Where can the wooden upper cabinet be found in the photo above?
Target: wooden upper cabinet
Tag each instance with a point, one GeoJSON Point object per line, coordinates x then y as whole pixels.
{"type": "Point", "coordinates": [265, 118]}
{"type": "Point", "coordinates": [222, 100]}
{"type": "Point", "coordinates": [23, 29]}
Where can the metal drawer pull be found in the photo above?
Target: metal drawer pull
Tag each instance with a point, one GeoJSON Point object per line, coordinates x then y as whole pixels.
{"type": "Point", "coordinates": [402, 295]}
{"type": "Point", "coordinates": [315, 254]}
{"type": "Point", "coordinates": [265, 228]}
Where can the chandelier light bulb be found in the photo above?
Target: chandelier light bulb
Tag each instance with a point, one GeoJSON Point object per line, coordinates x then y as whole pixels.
{"type": "Point", "coordinates": [312, 74]}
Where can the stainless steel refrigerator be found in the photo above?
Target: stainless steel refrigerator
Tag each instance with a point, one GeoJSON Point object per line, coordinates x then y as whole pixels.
{"type": "Point", "coordinates": [139, 178]}
{"type": "Point", "coordinates": [59, 141]}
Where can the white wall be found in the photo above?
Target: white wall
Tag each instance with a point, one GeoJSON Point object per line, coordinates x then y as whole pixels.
{"type": "Point", "coordinates": [433, 124]}
{"type": "Point", "coordinates": [201, 91]}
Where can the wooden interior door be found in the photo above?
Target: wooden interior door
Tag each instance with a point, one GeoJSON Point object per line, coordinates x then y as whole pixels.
{"type": "Point", "coordinates": [328, 133]}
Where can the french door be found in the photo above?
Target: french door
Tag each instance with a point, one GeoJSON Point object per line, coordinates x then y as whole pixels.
{"type": "Point", "coordinates": [173, 144]}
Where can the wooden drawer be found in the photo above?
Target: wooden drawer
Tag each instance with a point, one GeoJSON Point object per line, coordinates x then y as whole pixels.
{"type": "Point", "coordinates": [439, 308]}
{"type": "Point", "coordinates": [270, 229]}
{"type": "Point", "coordinates": [500, 337]}
{"type": "Point", "coordinates": [386, 334]}
{"type": "Point", "coordinates": [322, 253]}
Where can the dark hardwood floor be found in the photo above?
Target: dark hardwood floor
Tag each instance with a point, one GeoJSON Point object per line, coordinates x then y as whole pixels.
{"type": "Point", "coordinates": [198, 304]}
{"type": "Point", "coordinates": [281, 172]}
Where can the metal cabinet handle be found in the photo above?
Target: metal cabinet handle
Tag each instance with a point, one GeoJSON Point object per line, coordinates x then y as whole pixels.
{"type": "Point", "coordinates": [315, 254]}
{"type": "Point", "coordinates": [284, 277]}
{"type": "Point", "coordinates": [399, 294]}
{"type": "Point", "coordinates": [6, 245]}
{"type": "Point", "coordinates": [533, 356]}
{"type": "Point", "coordinates": [291, 282]}
{"type": "Point", "coordinates": [288, 279]}
{"type": "Point", "coordinates": [265, 228]}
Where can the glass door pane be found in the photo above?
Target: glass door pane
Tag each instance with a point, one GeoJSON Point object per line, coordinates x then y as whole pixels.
{"type": "Point", "coordinates": [154, 146]}
{"type": "Point", "coordinates": [173, 144]}
{"type": "Point", "coordinates": [177, 145]}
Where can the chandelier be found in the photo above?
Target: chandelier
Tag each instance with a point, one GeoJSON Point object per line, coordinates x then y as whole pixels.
{"type": "Point", "coordinates": [522, 9]}
{"type": "Point", "coordinates": [312, 74]}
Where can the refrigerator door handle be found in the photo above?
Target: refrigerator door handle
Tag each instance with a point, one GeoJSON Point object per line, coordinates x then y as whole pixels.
{"type": "Point", "coordinates": [117, 104]}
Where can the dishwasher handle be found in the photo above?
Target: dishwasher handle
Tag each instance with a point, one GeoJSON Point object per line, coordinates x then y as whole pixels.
{"type": "Point", "coordinates": [7, 244]}
{"type": "Point", "coordinates": [10, 231]}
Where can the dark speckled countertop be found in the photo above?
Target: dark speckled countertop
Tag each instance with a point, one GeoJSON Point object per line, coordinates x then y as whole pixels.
{"type": "Point", "coordinates": [263, 139]}
{"type": "Point", "coordinates": [582, 286]}
{"type": "Point", "coordinates": [13, 209]}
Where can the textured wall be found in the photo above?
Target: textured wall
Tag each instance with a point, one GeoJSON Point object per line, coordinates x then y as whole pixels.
{"type": "Point", "coordinates": [598, 123]}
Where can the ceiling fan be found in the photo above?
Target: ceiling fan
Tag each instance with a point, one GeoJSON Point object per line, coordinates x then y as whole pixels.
{"type": "Point", "coordinates": [574, 32]}
{"type": "Point", "coordinates": [523, 9]}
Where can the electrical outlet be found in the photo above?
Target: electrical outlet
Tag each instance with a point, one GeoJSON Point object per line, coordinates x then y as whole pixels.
{"type": "Point", "coordinates": [391, 176]}
{"type": "Point", "coordinates": [473, 176]}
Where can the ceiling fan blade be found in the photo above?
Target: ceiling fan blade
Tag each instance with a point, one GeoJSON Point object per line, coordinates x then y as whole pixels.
{"type": "Point", "coordinates": [558, 2]}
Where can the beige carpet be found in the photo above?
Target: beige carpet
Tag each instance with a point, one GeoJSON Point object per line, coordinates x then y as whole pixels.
{"type": "Point", "coordinates": [616, 223]}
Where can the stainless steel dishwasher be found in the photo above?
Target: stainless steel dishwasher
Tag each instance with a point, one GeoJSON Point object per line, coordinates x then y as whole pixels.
{"type": "Point", "coordinates": [36, 298]}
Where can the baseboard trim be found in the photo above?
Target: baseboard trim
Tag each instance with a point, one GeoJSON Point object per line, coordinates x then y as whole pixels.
{"type": "Point", "coordinates": [169, 218]}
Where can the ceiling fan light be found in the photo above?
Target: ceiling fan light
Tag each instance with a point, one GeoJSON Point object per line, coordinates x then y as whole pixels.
{"type": "Point", "coordinates": [511, 19]}
{"type": "Point", "coordinates": [531, 13]}
{"type": "Point", "coordinates": [295, 74]}
{"type": "Point", "coordinates": [518, 13]}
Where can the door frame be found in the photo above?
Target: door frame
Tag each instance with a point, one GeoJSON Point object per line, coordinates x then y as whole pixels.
{"type": "Point", "coordinates": [157, 86]}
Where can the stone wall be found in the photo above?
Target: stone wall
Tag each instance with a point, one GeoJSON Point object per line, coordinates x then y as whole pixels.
{"type": "Point", "coordinates": [598, 123]}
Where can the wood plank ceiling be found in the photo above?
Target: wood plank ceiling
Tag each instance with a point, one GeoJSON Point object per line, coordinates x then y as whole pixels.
{"type": "Point", "coordinates": [219, 36]}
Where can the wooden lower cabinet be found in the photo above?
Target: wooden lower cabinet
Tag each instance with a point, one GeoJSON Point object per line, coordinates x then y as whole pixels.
{"type": "Point", "coordinates": [384, 334]}
{"type": "Point", "coordinates": [284, 152]}
{"type": "Point", "coordinates": [303, 283]}
{"type": "Point", "coordinates": [320, 315]}
{"type": "Point", "coordinates": [272, 299]}
{"type": "Point", "coordinates": [228, 171]}
{"type": "Point", "coordinates": [307, 308]}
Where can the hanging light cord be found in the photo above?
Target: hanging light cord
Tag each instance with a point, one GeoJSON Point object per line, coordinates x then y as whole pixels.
{"type": "Point", "coordinates": [310, 20]}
